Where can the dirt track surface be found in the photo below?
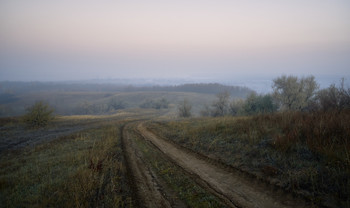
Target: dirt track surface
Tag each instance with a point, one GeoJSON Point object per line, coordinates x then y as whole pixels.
{"type": "Point", "coordinates": [147, 189]}
{"type": "Point", "coordinates": [233, 188]}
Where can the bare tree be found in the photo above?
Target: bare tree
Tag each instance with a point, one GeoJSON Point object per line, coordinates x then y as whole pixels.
{"type": "Point", "coordinates": [334, 98]}
{"type": "Point", "coordinates": [221, 104]}
{"type": "Point", "coordinates": [292, 93]}
{"type": "Point", "coordinates": [236, 106]}
{"type": "Point", "coordinates": [185, 108]}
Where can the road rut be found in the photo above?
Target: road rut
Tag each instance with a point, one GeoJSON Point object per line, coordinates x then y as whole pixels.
{"type": "Point", "coordinates": [228, 185]}
{"type": "Point", "coordinates": [147, 189]}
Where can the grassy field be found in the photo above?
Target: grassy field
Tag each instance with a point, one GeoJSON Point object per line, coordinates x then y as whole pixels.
{"type": "Point", "coordinates": [72, 103]}
{"type": "Point", "coordinates": [84, 169]}
{"type": "Point", "coordinates": [308, 154]}
{"type": "Point", "coordinates": [80, 161]}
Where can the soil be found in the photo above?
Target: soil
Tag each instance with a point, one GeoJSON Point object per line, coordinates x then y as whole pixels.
{"type": "Point", "coordinates": [148, 192]}
{"type": "Point", "coordinates": [231, 186]}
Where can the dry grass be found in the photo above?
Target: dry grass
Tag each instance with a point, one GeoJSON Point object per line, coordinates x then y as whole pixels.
{"type": "Point", "coordinates": [307, 153]}
{"type": "Point", "coordinates": [8, 121]}
{"type": "Point", "coordinates": [85, 169]}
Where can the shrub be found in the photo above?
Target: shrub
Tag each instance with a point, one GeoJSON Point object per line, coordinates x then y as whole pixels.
{"type": "Point", "coordinates": [185, 109]}
{"type": "Point", "coordinates": [220, 106]}
{"type": "Point", "coordinates": [115, 104]}
{"type": "Point", "coordinates": [334, 98]}
{"type": "Point", "coordinates": [38, 115]}
{"type": "Point", "coordinates": [258, 104]}
{"type": "Point", "coordinates": [236, 107]}
{"type": "Point", "coordinates": [156, 104]}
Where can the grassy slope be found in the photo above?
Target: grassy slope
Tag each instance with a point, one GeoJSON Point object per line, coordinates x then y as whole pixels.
{"type": "Point", "coordinates": [63, 102]}
{"type": "Point", "coordinates": [79, 170]}
{"type": "Point", "coordinates": [305, 153]}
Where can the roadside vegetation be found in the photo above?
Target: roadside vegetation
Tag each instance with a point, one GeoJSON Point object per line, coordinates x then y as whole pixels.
{"type": "Point", "coordinates": [297, 138]}
{"type": "Point", "coordinates": [305, 153]}
{"type": "Point", "coordinates": [84, 169]}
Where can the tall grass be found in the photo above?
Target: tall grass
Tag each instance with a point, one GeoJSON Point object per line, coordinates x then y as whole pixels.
{"type": "Point", "coordinates": [85, 169]}
{"type": "Point", "coordinates": [307, 153]}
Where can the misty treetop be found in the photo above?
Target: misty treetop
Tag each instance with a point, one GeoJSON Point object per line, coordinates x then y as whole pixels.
{"type": "Point", "coordinates": [293, 93]}
{"type": "Point", "coordinates": [290, 93]}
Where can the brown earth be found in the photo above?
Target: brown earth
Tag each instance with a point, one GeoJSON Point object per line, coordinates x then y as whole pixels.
{"type": "Point", "coordinates": [232, 187]}
{"type": "Point", "coordinates": [147, 190]}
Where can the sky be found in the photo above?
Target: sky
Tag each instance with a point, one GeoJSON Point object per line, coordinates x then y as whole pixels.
{"type": "Point", "coordinates": [79, 40]}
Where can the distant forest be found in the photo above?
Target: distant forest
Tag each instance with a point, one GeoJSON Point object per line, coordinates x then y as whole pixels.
{"type": "Point", "coordinates": [9, 88]}
{"type": "Point", "coordinates": [208, 88]}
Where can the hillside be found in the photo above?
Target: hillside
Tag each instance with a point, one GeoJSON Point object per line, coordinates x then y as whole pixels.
{"type": "Point", "coordinates": [85, 98]}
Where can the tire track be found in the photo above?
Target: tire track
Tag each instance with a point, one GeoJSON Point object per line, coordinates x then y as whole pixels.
{"type": "Point", "coordinates": [142, 180]}
{"type": "Point", "coordinates": [228, 185]}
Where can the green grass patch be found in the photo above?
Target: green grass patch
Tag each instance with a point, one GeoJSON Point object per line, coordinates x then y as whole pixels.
{"type": "Point", "coordinates": [85, 169]}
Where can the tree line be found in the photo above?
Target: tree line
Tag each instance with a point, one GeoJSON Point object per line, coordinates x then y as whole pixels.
{"type": "Point", "coordinates": [290, 93]}
{"type": "Point", "coordinates": [8, 90]}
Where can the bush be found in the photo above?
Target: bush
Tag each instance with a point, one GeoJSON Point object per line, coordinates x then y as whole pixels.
{"type": "Point", "coordinates": [259, 104]}
{"type": "Point", "coordinates": [185, 109]}
{"type": "Point", "coordinates": [156, 104]}
{"type": "Point", "coordinates": [38, 115]}
{"type": "Point", "coordinates": [236, 107]}
{"type": "Point", "coordinates": [220, 106]}
{"type": "Point", "coordinates": [334, 98]}
{"type": "Point", "coordinates": [115, 104]}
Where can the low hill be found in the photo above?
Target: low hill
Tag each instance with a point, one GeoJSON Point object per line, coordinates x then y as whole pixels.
{"type": "Point", "coordinates": [91, 98]}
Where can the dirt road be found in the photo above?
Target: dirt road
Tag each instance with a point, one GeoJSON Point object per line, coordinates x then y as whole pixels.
{"type": "Point", "coordinates": [233, 188]}
{"type": "Point", "coordinates": [147, 190]}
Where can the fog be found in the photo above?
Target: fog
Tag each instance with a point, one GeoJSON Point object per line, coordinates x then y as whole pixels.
{"type": "Point", "coordinates": [221, 41]}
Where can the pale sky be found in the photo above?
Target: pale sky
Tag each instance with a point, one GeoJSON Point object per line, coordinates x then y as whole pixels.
{"type": "Point", "coordinates": [72, 40]}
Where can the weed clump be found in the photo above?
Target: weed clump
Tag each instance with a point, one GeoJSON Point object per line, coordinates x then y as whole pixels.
{"type": "Point", "coordinates": [38, 115]}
